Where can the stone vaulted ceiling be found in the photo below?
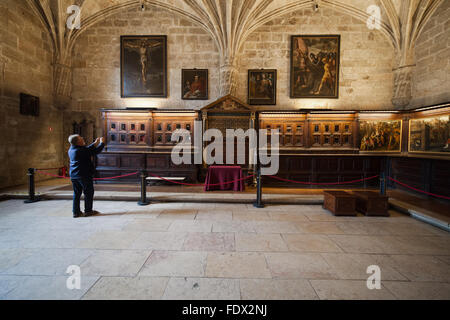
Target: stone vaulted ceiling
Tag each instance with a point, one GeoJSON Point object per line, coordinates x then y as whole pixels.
{"type": "Point", "coordinates": [229, 22]}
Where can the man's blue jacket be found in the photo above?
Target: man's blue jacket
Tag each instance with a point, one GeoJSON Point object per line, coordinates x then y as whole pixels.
{"type": "Point", "coordinates": [81, 165]}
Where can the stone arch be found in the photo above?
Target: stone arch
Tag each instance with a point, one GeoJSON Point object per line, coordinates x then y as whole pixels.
{"type": "Point", "coordinates": [110, 11]}
{"type": "Point", "coordinates": [340, 7]}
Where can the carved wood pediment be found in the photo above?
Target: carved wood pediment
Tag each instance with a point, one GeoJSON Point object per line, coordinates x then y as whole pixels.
{"type": "Point", "coordinates": [228, 104]}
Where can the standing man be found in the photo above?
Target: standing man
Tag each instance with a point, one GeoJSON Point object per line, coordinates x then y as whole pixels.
{"type": "Point", "coordinates": [81, 172]}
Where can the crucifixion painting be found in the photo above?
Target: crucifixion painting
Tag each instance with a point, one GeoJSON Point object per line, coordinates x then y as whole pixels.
{"type": "Point", "coordinates": [143, 66]}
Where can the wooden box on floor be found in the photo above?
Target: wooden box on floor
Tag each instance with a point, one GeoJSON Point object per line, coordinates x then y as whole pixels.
{"type": "Point", "coordinates": [371, 203]}
{"type": "Point", "coordinates": [340, 203]}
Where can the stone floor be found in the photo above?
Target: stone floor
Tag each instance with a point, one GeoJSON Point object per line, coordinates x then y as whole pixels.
{"type": "Point", "coordinates": [216, 251]}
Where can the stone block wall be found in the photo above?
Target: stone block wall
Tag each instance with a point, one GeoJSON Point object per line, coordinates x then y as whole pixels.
{"type": "Point", "coordinates": [431, 79]}
{"type": "Point", "coordinates": [25, 66]}
{"type": "Point", "coordinates": [96, 73]}
{"type": "Point", "coordinates": [366, 80]}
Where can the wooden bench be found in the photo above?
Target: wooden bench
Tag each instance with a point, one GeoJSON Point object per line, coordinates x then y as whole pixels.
{"type": "Point", "coordinates": [371, 203]}
{"type": "Point", "coordinates": [340, 203]}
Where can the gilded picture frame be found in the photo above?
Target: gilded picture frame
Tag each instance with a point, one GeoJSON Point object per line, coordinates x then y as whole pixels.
{"type": "Point", "coordinates": [143, 66]}
{"type": "Point", "coordinates": [382, 136]}
{"type": "Point", "coordinates": [314, 66]}
{"type": "Point", "coordinates": [429, 134]}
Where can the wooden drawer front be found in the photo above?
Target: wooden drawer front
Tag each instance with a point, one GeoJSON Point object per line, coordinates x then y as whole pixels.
{"type": "Point", "coordinates": [159, 162]}
{"type": "Point", "coordinates": [132, 161]}
{"type": "Point", "coordinates": [108, 160]}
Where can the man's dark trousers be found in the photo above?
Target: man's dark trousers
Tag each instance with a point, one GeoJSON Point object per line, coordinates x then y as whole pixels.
{"type": "Point", "coordinates": [81, 172]}
{"type": "Point", "coordinates": [83, 185]}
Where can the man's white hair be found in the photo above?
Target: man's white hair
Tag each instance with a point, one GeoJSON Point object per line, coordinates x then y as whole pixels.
{"type": "Point", "coordinates": [73, 139]}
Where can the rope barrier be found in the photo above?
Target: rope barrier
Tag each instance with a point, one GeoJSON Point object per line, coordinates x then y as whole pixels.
{"type": "Point", "coordinates": [202, 184]}
{"type": "Point", "coordinates": [107, 178]}
{"type": "Point", "coordinates": [323, 183]}
{"type": "Point", "coordinates": [418, 190]}
{"type": "Point", "coordinates": [47, 169]}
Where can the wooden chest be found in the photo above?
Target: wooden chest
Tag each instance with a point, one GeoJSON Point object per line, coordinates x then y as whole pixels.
{"type": "Point", "coordinates": [371, 203]}
{"type": "Point", "coordinates": [340, 203]}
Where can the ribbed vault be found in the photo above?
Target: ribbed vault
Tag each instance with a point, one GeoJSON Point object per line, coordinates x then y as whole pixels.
{"type": "Point", "coordinates": [230, 22]}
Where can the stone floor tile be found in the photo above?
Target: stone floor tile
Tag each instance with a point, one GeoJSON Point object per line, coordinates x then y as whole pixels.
{"type": "Point", "coordinates": [110, 240]}
{"type": "Point", "coordinates": [148, 225]}
{"type": "Point", "coordinates": [353, 266]}
{"type": "Point", "coordinates": [275, 227]}
{"type": "Point", "coordinates": [209, 242]}
{"type": "Point", "coordinates": [288, 216]}
{"type": "Point", "coordinates": [175, 264]}
{"type": "Point", "coordinates": [214, 215]}
{"type": "Point", "coordinates": [249, 215]}
{"type": "Point", "coordinates": [48, 288]}
{"type": "Point", "coordinates": [325, 227]}
{"type": "Point", "coordinates": [299, 266]}
{"type": "Point", "coordinates": [49, 262]}
{"type": "Point", "coordinates": [275, 289]}
{"type": "Point", "coordinates": [259, 242]}
{"type": "Point", "coordinates": [348, 290]}
{"type": "Point", "coordinates": [115, 262]}
{"type": "Point", "coordinates": [159, 241]}
{"type": "Point", "coordinates": [190, 226]}
{"type": "Point", "coordinates": [127, 288]}
{"type": "Point", "coordinates": [175, 214]}
{"type": "Point", "coordinates": [310, 243]}
{"type": "Point", "coordinates": [233, 226]}
{"type": "Point", "coordinates": [418, 290]}
{"type": "Point", "coordinates": [237, 265]}
{"type": "Point", "coordinates": [202, 289]}
{"type": "Point", "coordinates": [421, 267]}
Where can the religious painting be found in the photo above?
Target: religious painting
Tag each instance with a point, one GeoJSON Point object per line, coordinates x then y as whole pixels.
{"type": "Point", "coordinates": [262, 87]}
{"type": "Point", "coordinates": [194, 84]}
{"type": "Point", "coordinates": [315, 66]}
{"type": "Point", "coordinates": [143, 66]}
{"type": "Point", "coordinates": [380, 136]}
{"type": "Point", "coordinates": [430, 135]}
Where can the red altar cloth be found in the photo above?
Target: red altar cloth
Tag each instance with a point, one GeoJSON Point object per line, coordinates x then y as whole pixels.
{"type": "Point", "coordinates": [221, 174]}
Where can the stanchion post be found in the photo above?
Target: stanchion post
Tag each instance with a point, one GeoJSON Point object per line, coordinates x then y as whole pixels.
{"type": "Point", "coordinates": [31, 188]}
{"type": "Point", "coordinates": [382, 183]}
{"type": "Point", "coordinates": [258, 203]}
{"type": "Point", "coordinates": [143, 201]}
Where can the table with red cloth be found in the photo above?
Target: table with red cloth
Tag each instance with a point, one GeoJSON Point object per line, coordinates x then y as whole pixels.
{"type": "Point", "coordinates": [220, 174]}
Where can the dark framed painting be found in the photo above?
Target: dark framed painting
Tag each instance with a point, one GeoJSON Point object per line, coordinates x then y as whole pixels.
{"type": "Point", "coordinates": [380, 136]}
{"type": "Point", "coordinates": [315, 66]}
{"type": "Point", "coordinates": [194, 84]}
{"type": "Point", "coordinates": [262, 87]}
{"type": "Point", "coordinates": [143, 66]}
{"type": "Point", "coordinates": [430, 135]}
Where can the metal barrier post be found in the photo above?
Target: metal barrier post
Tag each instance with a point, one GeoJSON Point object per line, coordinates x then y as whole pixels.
{"type": "Point", "coordinates": [382, 183]}
{"type": "Point", "coordinates": [31, 188]}
{"type": "Point", "coordinates": [143, 201]}
{"type": "Point", "coordinates": [258, 203]}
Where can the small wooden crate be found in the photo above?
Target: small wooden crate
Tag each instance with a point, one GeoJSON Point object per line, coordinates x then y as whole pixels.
{"type": "Point", "coordinates": [340, 203]}
{"type": "Point", "coordinates": [372, 203]}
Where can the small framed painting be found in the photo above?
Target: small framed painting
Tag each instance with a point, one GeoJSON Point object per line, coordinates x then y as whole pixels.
{"type": "Point", "coordinates": [194, 84]}
{"type": "Point", "coordinates": [262, 87]}
{"type": "Point", "coordinates": [143, 66]}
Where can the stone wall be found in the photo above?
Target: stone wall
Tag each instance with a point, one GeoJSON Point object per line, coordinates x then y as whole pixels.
{"type": "Point", "coordinates": [25, 62]}
{"type": "Point", "coordinates": [431, 80]}
{"type": "Point", "coordinates": [366, 80]}
{"type": "Point", "coordinates": [96, 75]}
